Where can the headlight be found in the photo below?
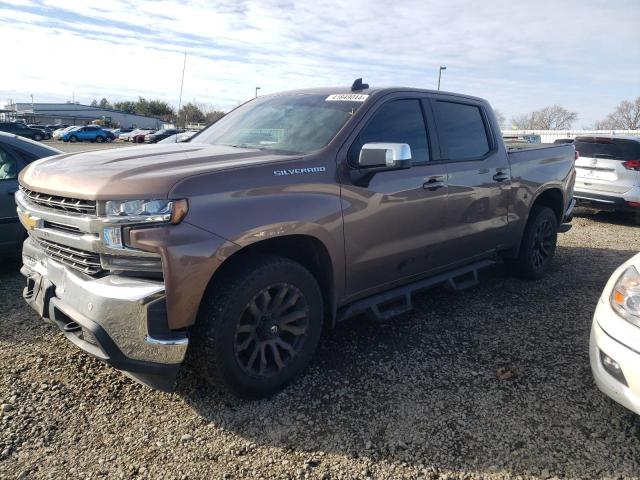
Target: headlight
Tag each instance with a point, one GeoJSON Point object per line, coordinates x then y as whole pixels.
{"type": "Point", "coordinates": [625, 297]}
{"type": "Point", "coordinates": [147, 210]}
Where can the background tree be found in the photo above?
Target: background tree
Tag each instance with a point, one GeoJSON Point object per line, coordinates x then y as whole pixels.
{"type": "Point", "coordinates": [125, 106]}
{"type": "Point", "coordinates": [104, 103]}
{"type": "Point", "coordinates": [94, 103]}
{"type": "Point", "coordinates": [500, 117]}
{"type": "Point", "coordinates": [190, 113]}
{"type": "Point", "coordinates": [553, 117]}
{"type": "Point", "coordinates": [626, 116]}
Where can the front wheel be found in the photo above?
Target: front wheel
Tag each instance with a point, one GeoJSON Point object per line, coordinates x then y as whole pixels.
{"type": "Point", "coordinates": [37, 137]}
{"type": "Point", "coordinates": [73, 139]}
{"type": "Point", "coordinates": [258, 327]}
{"type": "Point", "coordinates": [99, 139]}
{"type": "Point", "coordinates": [538, 244]}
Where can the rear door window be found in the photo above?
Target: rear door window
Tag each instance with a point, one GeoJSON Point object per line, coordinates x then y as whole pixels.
{"type": "Point", "coordinates": [462, 130]}
{"type": "Point", "coordinates": [608, 148]}
{"type": "Point", "coordinates": [397, 121]}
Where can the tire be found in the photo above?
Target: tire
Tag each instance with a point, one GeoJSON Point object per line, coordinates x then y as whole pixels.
{"type": "Point", "coordinates": [100, 139]}
{"type": "Point", "coordinates": [243, 342]}
{"type": "Point", "coordinates": [73, 139]}
{"type": "Point", "coordinates": [538, 244]}
{"type": "Point", "coordinates": [37, 137]}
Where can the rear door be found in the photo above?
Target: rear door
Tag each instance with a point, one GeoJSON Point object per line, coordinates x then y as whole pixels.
{"type": "Point", "coordinates": [479, 178]}
{"type": "Point", "coordinates": [607, 165]}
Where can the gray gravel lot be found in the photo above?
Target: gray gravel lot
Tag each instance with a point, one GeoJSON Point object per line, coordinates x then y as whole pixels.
{"type": "Point", "coordinates": [417, 397]}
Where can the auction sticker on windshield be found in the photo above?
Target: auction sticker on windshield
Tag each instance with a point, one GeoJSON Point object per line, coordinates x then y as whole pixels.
{"type": "Point", "coordinates": [347, 97]}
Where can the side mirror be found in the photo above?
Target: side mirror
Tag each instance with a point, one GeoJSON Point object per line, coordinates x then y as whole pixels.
{"type": "Point", "coordinates": [385, 156]}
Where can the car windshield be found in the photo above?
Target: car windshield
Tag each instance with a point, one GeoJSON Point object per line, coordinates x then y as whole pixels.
{"type": "Point", "coordinates": [297, 123]}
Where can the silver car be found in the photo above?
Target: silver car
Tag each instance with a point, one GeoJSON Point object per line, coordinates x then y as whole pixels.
{"type": "Point", "coordinates": [608, 172]}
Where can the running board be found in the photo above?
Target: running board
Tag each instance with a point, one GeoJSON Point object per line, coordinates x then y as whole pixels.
{"type": "Point", "coordinates": [391, 303]}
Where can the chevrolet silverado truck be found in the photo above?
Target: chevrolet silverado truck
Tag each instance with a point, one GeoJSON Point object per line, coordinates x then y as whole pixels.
{"type": "Point", "coordinates": [296, 210]}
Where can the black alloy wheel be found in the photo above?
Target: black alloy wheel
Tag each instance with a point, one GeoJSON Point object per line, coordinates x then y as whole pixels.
{"type": "Point", "coordinates": [271, 330]}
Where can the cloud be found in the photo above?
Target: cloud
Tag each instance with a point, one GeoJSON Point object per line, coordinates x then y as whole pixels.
{"type": "Point", "coordinates": [520, 56]}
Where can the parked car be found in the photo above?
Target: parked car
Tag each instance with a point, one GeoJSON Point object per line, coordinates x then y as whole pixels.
{"type": "Point", "coordinates": [155, 137]}
{"type": "Point", "coordinates": [564, 140]}
{"type": "Point", "coordinates": [20, 129]}
{"type": "Point", "coordinates": [608, 172]}
{"type": "Point", "coordinates": [119, 131]}
{"type": "Point", "coordinates": [57, 134]}
{"type": "Point", "coordinates": [15, 154]}
{"type": "Point", "coordinates": [139, 136]}
{"type": "Point", "coordinates": [524, 138]}
{"type": "Point", "coordinates": [179, 137]}
{"type": "Point", "coordinates": [289, 214]}
{"type": "Point", "coordinates": [615, 337]}
{"type": "Point", "coordinates": [88, 133]}
{"type": "Point", "coordinates": [47, 131]}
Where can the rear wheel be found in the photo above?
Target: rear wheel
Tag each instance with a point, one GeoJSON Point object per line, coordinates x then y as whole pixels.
{"type": "Point", "coordinates": [258, 327]}
{"type": "Point", "coordinates": [538, 244]}
{"type": "Point", "coordinates": [37, 137]}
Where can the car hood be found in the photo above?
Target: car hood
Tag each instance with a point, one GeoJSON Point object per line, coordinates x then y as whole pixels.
{"type": "Point", "coordinates": [136, 172]}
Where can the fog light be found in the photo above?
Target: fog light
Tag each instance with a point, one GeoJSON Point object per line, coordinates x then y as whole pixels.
{"type": "Point", "coordinates": [613, 368]}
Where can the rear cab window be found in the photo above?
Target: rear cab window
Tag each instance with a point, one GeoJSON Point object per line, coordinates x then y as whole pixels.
{"type": "Point", "coordinates": [462, 130]}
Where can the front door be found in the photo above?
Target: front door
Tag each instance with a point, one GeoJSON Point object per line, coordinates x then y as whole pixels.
{"type": "Point", "coordinates": [10, 227]}
{"type": "Point", "coordinates": [393, 225]}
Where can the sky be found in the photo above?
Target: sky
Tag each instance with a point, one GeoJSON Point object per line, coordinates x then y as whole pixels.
{"type": "Point", "coordinates": [520, 55]}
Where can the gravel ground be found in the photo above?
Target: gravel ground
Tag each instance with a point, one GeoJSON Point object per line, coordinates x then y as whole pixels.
{"type": "Point", "coordinates": [418, 397]}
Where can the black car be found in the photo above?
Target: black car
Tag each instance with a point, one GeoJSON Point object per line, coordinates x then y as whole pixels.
{"type": "Point", "coordinates": [46, 130]}
{"type": "Point", "coordinates": [18, 128]}
{"type": "Point", "coordinates": [15, 154]}
{"type": "Point", "coordinates": [564, 140]}
{"type": "Point", "coordinates": [161, 135]}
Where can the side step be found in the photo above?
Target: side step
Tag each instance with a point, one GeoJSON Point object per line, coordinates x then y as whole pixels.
{"type": "Point", "coordinates": [391, 303]}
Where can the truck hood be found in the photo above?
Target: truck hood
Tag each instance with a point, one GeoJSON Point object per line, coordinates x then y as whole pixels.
{"type": "Point", "coordinates": [136, 172]}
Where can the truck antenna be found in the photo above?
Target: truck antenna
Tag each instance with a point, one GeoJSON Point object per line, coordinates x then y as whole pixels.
{"type": "Point", "coordinates": [358, 85]}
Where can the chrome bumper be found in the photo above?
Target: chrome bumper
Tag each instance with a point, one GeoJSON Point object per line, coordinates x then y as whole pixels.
{"type": "Point", "coordinates": [118, 319]}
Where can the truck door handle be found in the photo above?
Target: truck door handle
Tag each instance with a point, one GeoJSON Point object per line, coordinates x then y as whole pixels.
{"type": "Point", "coordinates": [434, 183]}
{"type": "Point", "coordinates": [501, 177]}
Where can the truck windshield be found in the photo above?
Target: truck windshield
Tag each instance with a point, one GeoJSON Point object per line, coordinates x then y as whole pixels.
{"type": "Point", "coordinates": [297, 123]}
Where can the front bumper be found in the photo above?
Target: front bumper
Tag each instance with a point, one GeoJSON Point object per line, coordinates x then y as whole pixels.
{"type": "Point", "coordinates": [605, 337]}
{"type": "Point", "coordinates": [117, 319]}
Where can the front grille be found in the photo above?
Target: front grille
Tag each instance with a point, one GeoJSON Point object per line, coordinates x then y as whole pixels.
{"type": "Point", "coordinates": [61, 226]}
{"type": "Point", "coordinates": [81, 260]}
{"type": "Point", "coordinates": [61, 203]}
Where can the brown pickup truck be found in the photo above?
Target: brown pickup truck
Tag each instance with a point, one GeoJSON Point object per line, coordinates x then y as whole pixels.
{"type": "Point", "coordinates": [291, 213]}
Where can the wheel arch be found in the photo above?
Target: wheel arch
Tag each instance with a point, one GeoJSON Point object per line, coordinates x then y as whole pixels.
{"type": "Point", "coordinates": [552, 198]}
{"type": "Point", "coordinates": [307, 250]}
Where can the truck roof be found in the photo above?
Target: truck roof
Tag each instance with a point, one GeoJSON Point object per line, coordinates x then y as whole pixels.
{"type": "Point", "coordinates": [369, 91]}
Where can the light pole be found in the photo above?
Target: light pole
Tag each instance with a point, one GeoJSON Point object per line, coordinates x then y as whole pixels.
{"type": "Point", "coordinates": [440, 75]}
{"type": "Point", "coordinates": [257, 88]}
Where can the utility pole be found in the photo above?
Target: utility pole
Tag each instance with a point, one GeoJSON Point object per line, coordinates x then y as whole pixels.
{"type": "Point", "coordinates": [440, 75]}
{"type": "Point", "coordinates": [257, 88]}
{"type": "Point", "coordinates": [184, 65]}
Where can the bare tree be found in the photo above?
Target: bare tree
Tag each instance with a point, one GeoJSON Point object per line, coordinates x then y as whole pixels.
{"type": "Point", "coordinates": [626, 116]}
{"type": "Point", "coordinates": [500, 117]}
{"type": "Point", "coordinates": [553, 117]}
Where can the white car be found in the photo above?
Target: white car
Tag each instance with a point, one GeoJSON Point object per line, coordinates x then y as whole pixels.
{"type": "Point", "coordinates": [615, 337]}
{"type": "Point", "coordinates": [608, 172]}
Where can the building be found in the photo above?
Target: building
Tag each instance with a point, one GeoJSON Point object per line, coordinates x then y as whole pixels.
{"type": "Point", "coordinates": [78, 114]}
